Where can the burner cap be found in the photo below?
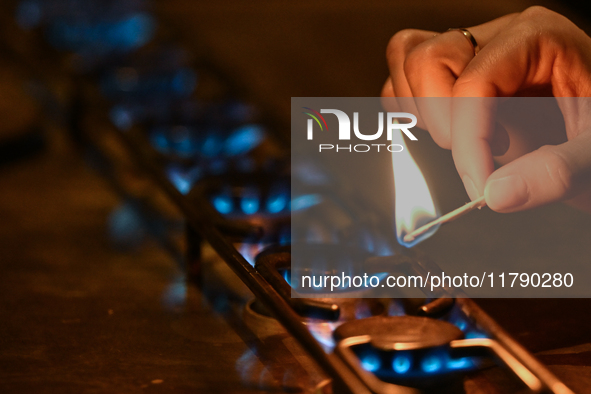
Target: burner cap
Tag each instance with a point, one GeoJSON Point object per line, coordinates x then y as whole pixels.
{"type": "Point", "coordinates": [400, 332]}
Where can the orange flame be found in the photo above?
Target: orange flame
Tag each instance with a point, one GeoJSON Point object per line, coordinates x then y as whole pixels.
{"type": "Point", "coordinates": [414, 205]}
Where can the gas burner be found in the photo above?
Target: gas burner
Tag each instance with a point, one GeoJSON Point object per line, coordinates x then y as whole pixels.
{"type": "Point", "coordinates": [227, 113]}
{"type": "Point", "coordinates": [194, 155]}
{"type": "Point", "coordinates": [255, 197]}
{"type": "Point", "coordinates": [274, 264]}
{"type": "Point", "coordinates": [201, 144]}
{"type": "Point", "coordinates": [405, 350]}
{"type": "Point", "coordinates": [259, 200]}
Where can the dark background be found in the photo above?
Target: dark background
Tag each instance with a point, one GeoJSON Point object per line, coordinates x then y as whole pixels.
{"type": "Point", "coordinates": [77, 315]}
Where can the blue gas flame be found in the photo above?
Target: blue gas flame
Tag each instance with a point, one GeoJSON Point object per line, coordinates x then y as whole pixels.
{"type": "Point", "coordinates": [223, 204]}
{"type": "Point", "coordinates": [401, 363]}
{"type": "Point", "coordinates": [371, 362]}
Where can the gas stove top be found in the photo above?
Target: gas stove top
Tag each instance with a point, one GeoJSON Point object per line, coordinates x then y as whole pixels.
{"type": "Point", "coordinates": [223, 163]}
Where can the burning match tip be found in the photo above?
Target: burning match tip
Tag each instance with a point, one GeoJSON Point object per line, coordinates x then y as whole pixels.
{"type": "Point", "coordinates": [478, 203]}
{"type": "Point", "coordinates": [408, 238]}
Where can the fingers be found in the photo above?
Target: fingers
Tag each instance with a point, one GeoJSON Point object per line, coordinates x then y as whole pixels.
{"type": "Point", "coordinates": [427, 64]}
{"type": "Point", "coordinates": [444, 59]}
{"type": "Point", "coordinates": [433, 66]}
{"type": "Point", "coordinates": [521, 52]}
{"type": "Point", "coordinates": [397, 85]}
{"type": "Point", "coordinates": [534, 51]}
{"type": "Point", "coordinates": [549, 174]}
{"type": "Point", "coordinates": [388, 90]}
{"type": "Point", "coordinates": [473, 126]}
{"type": "Point", "coordinates": [399, 48]}
{"type": "Point", "coordinates": [430, 70]}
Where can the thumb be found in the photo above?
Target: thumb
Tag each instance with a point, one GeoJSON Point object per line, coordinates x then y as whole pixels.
{"type": "Point", "coordinates": [551, 173]}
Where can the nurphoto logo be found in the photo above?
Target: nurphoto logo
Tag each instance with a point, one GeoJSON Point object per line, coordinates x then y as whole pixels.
{"type": "Point", "coordinates": [344, 133]}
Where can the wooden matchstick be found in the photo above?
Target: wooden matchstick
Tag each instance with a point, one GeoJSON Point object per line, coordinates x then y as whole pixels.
{"type": "Point", "coordinates": [478, 203]}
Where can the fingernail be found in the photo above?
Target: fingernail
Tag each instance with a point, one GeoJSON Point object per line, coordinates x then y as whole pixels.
{"type": "Point", "coordinates": [506, 193]}
{"type": "Point", "coordinates": [470, 188]}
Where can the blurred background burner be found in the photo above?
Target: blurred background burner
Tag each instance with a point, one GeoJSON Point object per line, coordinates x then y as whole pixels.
{"type": "Point", "coordinates": [259, 199]}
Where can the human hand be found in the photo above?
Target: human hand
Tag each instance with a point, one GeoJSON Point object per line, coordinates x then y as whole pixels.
{"type": "Point", "coordinates": [534, 53]}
